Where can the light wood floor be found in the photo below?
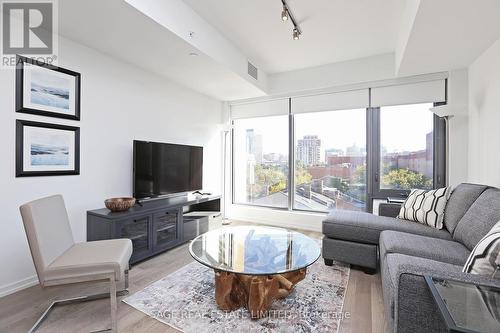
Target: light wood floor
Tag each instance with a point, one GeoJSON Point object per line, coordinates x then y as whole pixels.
{"type": "Point", "coordinates": [19, 311]}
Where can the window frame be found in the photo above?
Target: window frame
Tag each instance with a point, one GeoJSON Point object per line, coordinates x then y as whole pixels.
{"type": "Point", "coordinates": [373, 191]}
{"type": "Point", "coordinates": [249, 204]}
{"type": "Point", "coordinates": [292, 151]}
{"type": "Point", "coordinates": [374, 173]}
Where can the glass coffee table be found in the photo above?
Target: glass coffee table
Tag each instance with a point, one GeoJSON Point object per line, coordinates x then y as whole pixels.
{"type": "Point", "coordinates": [254, 265]}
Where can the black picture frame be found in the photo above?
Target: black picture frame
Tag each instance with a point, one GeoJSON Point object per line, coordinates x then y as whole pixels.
{"type": "Point", "coordinates": [20, 61]}
{"type": "Point", "coordinates": [21, 172]}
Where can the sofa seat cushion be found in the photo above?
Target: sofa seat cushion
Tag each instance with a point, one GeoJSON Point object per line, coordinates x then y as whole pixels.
{"type": "Point", "coordinates": [366, 228]}
{"type": "Point", "coordinates": [479, 219]}
{"type": "Point", "coordinates": [92, 258]}
{"type": "Point", "coordinates": [423, 247]}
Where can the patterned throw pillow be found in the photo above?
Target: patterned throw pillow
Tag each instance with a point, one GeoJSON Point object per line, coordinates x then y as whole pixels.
{"type": "Point", "coordinates": [485, 257]}
{"type": "Point", "coordinates": [426, 207]}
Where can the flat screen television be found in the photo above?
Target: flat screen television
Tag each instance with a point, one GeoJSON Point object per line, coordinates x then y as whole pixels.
{"type": "Point", "coordinates": [163, 169]}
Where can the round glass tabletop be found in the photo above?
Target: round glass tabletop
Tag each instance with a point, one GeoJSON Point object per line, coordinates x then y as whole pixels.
{"type": "Point", "coordinates": [254, 250]}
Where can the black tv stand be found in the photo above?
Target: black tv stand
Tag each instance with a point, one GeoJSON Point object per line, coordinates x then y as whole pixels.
{"type": "Point", "coordinates": [155, 226]}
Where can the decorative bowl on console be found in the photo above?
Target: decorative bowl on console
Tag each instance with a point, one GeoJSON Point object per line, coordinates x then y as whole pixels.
{"type": "Point", "coordinates": [119, 204]}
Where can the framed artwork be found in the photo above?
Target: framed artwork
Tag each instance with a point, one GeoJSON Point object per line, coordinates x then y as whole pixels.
{"type": "Point", "coordinates": [47, 90]}
{"type": "Point", "coordinates": [46, 149]}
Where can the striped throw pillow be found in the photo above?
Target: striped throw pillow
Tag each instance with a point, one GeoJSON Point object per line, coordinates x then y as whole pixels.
{"type": "Point", "coordinates": [426, 207]}
{"type": "Point", "coordinates": [485, 257]}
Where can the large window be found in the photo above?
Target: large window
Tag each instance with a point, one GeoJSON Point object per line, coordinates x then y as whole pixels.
{"type": "Point", "coordinates": [260, 161]}
{"type": "Point", "coordinates": [330, 160]}
{"type": "Point", "coordinates": [340, 150]}
{"type": "Point", "coordinates": [406, 147]}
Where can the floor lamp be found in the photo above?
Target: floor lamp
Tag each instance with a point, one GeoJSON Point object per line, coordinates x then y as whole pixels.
{"type": "Point", "coordinates": [225, 135]}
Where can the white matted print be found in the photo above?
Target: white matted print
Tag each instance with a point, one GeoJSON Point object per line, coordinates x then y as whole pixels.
{"type": "Point", "coordinates": [46, 149]}
{"type": "Point", "coordinates": [48, 90]}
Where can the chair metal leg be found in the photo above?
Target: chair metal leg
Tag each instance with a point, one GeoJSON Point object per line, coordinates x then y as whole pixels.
{"type": "Point", "coordinates": [112, 293]}
{"type": "Point", "coordinates": [126, 279]}
{"type": "Point", "coordinates": [85, 298]}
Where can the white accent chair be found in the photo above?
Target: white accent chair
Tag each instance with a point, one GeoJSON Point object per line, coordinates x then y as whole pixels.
{"type": "Point", "coordinates": [59, 260]}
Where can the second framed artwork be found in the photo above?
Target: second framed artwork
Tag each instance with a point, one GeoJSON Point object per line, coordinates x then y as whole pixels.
{"type": "Point", "coordinates": [46, 149]}
{"type": "Point", "coordinates": [47, 90]}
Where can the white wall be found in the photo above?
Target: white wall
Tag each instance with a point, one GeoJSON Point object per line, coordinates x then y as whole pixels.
{"type": "Point", "coordinates": [484, 117]}
{"type": "Point", "coordinates": [119, 103]}
{"type": "Point", "coordinates": [458, 127]}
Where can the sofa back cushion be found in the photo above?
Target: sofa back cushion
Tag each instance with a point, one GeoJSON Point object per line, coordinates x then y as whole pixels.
{"type": "Point", "coordinates": [479, 219]}
{"type": "Point", "coordinates": [462, 197]}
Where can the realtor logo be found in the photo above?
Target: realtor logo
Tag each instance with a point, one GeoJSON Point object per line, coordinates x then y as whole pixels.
{"type": "Point", "coordinates": [28, 28]}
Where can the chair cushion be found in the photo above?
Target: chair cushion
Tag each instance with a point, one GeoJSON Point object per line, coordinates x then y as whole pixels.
{"type": "Point", "coordinates": [423, 247]}
{"type": "Point", "coordinates": [426, 207]}
{"type": "Point", "coordinates": [366, 228]}
{"type": "Point", "coordinates": [48, 230]}
{"type": "Point", "coordinates": [479, 219]}
{"type": "Point", "coordinates": [462, 197]}
{"type": "Point", "coordinates": [91, 258]}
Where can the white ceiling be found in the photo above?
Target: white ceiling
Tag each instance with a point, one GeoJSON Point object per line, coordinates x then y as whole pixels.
{"type": "Point", "coordinates": [425, 35]}
{"type": "Point", "coordinates": [333, 30]}
{"type": "Point", "coordinates": [449, 34]}
{"type": "Point", "coordinates": [119, 30]}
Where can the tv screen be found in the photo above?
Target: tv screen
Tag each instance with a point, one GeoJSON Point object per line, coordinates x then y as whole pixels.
{"type": "Point", "coordinates": [165, 168]}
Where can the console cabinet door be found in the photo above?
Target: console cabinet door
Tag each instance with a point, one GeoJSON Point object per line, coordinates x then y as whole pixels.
{"type": "Point", "coordinates": [138, 230]}
{"type": "Point", "coordinates": [165, 229]}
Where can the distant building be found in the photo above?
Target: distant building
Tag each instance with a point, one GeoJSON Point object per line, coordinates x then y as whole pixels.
{"type": "Point", "coordinates": [420, 161]}
{"type": "Point", "coordinates": [333, 152]}
{"type": "Point", "coordinates": [309, 150]}
{"type": "Point", "coordinates": [254, 145]}
{"type": "Point", "coordinates": [355, 150]}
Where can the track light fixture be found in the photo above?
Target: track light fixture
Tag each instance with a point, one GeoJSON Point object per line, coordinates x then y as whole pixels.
{"type": "Point", "coordinates": [286, 15]}
{"type": "Point", "coordinates": [296, 34]}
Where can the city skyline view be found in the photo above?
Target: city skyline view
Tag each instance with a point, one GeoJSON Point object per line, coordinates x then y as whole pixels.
{"type": "Point", "coordinates": [330, 157]}
{"type": "Point", "coordinates": [349, 126]}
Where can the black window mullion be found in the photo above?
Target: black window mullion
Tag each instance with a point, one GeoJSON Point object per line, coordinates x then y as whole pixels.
{"type": "Point", "coordinates": [440, 153]}
{"type": "Point", "coordinates": [373, 155]}
{"type": "Point", "coordinates": [291, 156]}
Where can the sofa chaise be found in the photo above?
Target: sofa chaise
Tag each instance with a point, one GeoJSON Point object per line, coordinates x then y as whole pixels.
{"type": "Point", "coordinates": [407, 251]}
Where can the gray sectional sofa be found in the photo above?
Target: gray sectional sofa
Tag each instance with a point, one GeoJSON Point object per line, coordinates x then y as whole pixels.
{"type": "Point", "coordinates": [406, 251]}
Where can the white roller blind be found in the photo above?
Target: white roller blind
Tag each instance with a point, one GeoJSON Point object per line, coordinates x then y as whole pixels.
{"type": "Point", "coordinates": [344, 100]}
{"type": "Point", "coordinates": [260, 109]}
{"type": "Point", "coordinates": [412, 93]}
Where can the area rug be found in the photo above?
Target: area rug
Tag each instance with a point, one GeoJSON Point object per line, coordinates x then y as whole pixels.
{"type": "Point", "coordinates": [185, 300]}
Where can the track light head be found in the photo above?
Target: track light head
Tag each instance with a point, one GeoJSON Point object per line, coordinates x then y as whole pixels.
{"type": "Point", "coordinates": [284, 14]}
{"type": "Point", "coordinates": [296, 34]}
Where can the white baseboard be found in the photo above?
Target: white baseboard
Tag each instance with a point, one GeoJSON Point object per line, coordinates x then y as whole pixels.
{"type": "Point", "coordinates": [275, 224]}
{"type": "Point", "coordinates": [278, 218]}
{"type": "Point", "coordinates": [18, 285]}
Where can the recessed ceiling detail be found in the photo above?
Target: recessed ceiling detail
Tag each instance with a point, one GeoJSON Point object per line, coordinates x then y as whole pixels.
{"type": "Point", "coordinates": [334, 30]}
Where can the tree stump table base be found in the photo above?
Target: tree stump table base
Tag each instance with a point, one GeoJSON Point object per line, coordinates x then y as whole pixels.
{"type": "Point", "coordinates": [255, 292]}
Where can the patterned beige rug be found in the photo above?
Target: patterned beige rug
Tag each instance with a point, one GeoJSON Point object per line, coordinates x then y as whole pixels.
{"type": "Point", "coordinates": [185, 300]}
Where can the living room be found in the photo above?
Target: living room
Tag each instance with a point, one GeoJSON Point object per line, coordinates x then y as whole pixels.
{"type": "Point", "coordinates": [250, 166]}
